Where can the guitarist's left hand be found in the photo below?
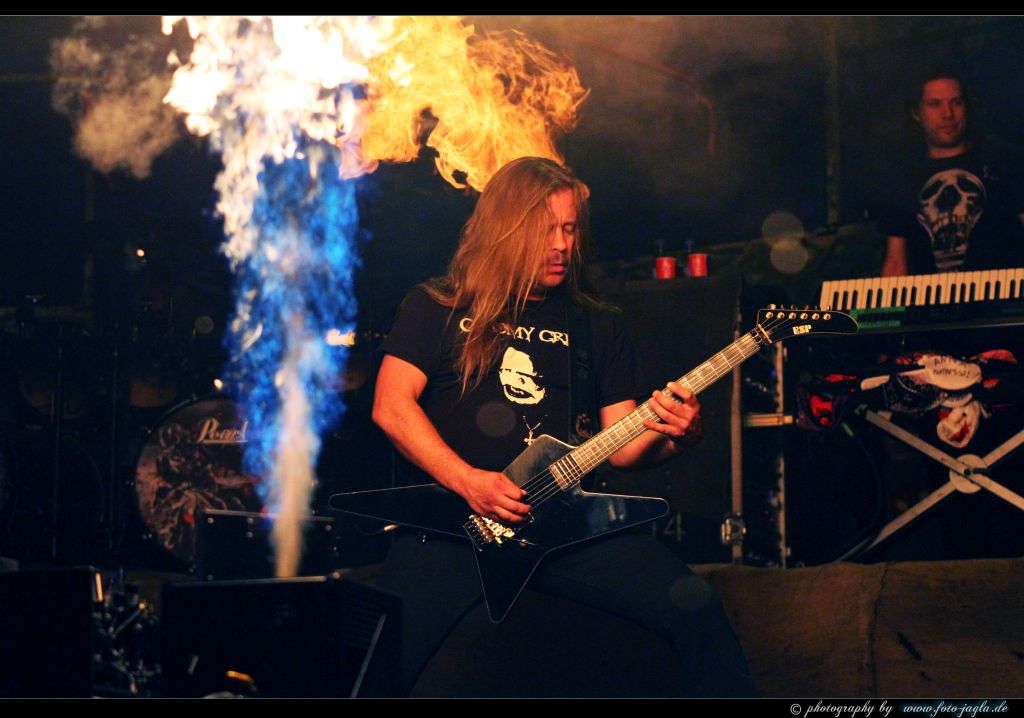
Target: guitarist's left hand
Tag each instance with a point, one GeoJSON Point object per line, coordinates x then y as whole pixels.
{"type": "Point", "coordinates": [681, 418]}
{"type": "Point", "coordinates": [680, 427]}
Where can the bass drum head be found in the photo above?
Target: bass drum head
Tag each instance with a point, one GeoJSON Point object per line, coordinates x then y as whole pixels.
{"type": "Point", "coordinates": [191, 462]}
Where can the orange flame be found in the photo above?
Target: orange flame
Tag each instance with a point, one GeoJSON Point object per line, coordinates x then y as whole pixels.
{"type": "Point", "coordinates": [495, 97]}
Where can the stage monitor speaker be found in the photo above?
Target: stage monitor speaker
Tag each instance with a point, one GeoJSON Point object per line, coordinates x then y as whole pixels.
{"type": "Point", "coordinates": [46, 633]}
{"type": "Point", "coordinates": [315, 636]}
{"type": "Point", "coordinates": [236, 545]}
{"type": "Point", "coordinates": [676, 325]}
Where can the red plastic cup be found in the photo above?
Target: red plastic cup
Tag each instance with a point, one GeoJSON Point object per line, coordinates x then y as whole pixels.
{"type": "Point", "coordinates": [698, 264]}
{"type": "Point", "coordinates": [665, 267]}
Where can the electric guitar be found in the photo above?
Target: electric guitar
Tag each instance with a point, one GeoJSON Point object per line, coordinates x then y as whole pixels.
{"type": "Point", "coordinates": [550, 471]}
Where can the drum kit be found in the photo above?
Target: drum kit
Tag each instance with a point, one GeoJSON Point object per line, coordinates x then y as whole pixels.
{"type": "Point", "coordinates": [112, 433]}
{"type": "Point", "coordinates": [115, 431]}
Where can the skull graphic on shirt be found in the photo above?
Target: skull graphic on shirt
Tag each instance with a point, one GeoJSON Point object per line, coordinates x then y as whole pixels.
{"type": "Point", "coordinates": [950, 204]}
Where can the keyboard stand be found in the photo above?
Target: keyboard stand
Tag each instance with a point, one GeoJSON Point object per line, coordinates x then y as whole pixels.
{"type": "Point", "coordinates": [967, 473]}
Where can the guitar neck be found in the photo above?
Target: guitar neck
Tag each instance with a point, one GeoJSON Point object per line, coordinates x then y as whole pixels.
{"type": "Point", "coordinates": [590, 454]}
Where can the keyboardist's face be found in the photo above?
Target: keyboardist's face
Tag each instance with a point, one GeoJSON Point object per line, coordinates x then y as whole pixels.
{"type": "Point", "coordinates": [942, 114]}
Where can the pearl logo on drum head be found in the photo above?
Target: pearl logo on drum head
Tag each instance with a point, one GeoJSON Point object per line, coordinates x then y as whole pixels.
{"type": "Point", "coordinates": [192, 462]}
{"type": "Point", "coordinates": [211, 432]}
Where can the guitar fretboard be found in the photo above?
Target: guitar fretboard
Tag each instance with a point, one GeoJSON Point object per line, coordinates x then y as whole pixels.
{"type": "Point", "coordinates": [587, 456]}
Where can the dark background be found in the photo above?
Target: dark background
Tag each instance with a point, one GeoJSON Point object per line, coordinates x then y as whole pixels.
{"type": "Point", "coordinates": [642, 142]}
{"type": "Point", "coordinates": [661, 166]}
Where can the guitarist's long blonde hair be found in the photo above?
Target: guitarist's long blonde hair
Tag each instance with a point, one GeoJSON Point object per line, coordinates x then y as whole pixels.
{"type": "Point", "coordinates": [501, 253]}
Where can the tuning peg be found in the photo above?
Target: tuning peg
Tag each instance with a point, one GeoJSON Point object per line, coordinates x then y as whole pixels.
{"type": "Point", "coordinates": [771, 306]}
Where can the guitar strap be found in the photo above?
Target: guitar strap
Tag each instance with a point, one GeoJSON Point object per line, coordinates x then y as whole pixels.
{"type": "Point", "coordinates": [583, 418]}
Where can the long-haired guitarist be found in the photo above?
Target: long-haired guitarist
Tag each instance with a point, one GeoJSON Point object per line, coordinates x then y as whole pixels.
{"type": "Point", "coordinates": [476, 367]}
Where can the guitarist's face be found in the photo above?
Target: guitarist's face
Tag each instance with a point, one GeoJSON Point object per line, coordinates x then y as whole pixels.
{"type": "Point", "coordinates": [561, 241]}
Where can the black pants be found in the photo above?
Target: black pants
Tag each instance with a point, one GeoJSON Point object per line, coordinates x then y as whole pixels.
{"type": "Point", "coordinates": [630, 575]}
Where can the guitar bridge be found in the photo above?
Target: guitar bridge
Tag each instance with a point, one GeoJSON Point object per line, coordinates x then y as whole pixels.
{"type": "Point", "coordinates": [486, 531]}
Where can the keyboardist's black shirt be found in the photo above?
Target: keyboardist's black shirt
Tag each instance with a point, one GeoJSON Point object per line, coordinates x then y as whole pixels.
{"type": "Point", "coordinates": [958, 213]}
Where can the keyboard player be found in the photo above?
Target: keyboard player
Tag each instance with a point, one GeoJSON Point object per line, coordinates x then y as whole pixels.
{"type": "Point", "coordinates": [960, 207]}
{"type": "Point", "coordinates": [955, 242]}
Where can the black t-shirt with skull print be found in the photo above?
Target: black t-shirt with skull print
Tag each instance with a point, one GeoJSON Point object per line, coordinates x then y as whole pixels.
{"type": "Point", "coordinates": [958, 213]}
{"type": "Point", "coordinates": [525, 393]}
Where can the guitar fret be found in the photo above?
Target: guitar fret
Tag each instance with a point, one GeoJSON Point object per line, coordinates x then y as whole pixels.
{"type": "Point", "coordinates": [574, 469]}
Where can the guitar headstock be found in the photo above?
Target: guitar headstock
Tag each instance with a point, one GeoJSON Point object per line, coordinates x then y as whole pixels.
{"type": "Point", "coordinates": [778, 323]}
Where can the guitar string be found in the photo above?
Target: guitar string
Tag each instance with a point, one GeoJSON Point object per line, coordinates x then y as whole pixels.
{"type": "Point", "coordinates": [546, 483]}
{"type": "Point", "coordinates": [551, 486]}
{"type": "Point", "coordinates": [576, 473]}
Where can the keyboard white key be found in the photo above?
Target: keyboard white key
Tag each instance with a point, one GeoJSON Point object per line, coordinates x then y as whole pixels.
{"type": "Point", "coordinates": [924, 289]}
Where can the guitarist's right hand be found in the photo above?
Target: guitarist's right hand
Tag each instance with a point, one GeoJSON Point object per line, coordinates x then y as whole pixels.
{"type": "Point", "coordinates": [397, 411]}
{"type": "Point", "coordinates": [494, 495]}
